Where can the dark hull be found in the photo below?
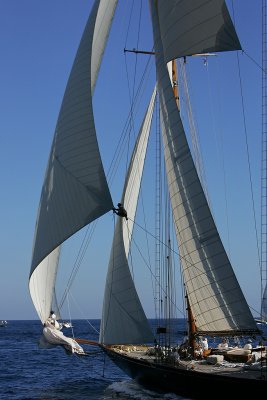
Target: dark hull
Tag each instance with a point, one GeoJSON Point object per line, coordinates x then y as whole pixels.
{"type": "Point", "coordinates": [198, 385]}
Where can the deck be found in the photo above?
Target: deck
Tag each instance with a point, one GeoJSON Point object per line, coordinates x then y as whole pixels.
{"type": "Point", "coordinates": [226, 368]}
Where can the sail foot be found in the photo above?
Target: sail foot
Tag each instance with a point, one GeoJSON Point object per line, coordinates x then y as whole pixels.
{"type": "Point", "coordinates": [244, 332]}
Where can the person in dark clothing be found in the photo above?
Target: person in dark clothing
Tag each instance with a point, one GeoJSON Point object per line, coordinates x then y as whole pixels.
{"type": "Point", "coordinates": [120, 211]}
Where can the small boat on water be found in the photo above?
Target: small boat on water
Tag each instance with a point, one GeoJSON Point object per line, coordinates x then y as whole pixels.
{"type": "Point", "coordinates": [3, 323]}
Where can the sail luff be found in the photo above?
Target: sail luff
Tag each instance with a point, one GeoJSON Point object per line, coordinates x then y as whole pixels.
{"type": "Point", "coordinates": [123, 318]}
{"type": "Point", "coordinates": [214, 294]}
{"type": "Point", "coordinates": [75, 190]}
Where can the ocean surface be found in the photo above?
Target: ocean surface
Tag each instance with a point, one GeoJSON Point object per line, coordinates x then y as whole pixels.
{"type": "Point", "coordinates": [30, 373]}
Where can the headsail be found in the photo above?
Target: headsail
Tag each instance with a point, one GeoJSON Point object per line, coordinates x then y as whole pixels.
{"type": "Point", "coordinates": [216, 300]}
{"type": "Point", "coordinates": [75, 190]}
{"type": "Point", "coordinates": [123, 319]}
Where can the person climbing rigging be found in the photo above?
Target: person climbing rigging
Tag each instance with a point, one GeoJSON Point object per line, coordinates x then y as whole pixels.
{"type": "Point", "coordinates": [120, 211]}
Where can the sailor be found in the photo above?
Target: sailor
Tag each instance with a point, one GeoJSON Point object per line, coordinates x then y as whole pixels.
{"type": "Point", "coordinates": [183, 348]}
{"type": "Point", "coordinates": [223, 345]}
{"type": "Point", "coordinates": [204, 343]}
{"type": "Point", "coordinates": [120, 211]}
{"type": "Point", "coordinates": [198, 352]}
{"type": "Point", "coordinates": [248, 345]}
{"type": "Point", "coordinates": [53, 320]}
{"type": "Point", "coordinates": [174, 356]}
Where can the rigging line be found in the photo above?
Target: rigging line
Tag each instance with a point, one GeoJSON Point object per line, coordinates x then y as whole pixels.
{"type": "Point", "coordinates": [129, 22]}
{"type": "Point", "coordinates": [107, 316]}
{"type": "Point", "coordinates": [141, 191]}
{"type": "Point", "coordinates": [183, 257]}
{"type": "Point", "coordinates": [248, 159]}
{"type": "Point", "coordinates": [112, 169]}
{"type": "Point", "coordinates": [165, 264]}
{"type": "Point", "coordinates": [160, 240]}
{"type": "Point", "coordinates": [115, 161]}
{"type": "Point", "coordinates": [79, 259]}
{"type": "Point", "coordinates": [134, 103]}
{"type": "Point", "coordinates": [158, 186]}
{"type": "Point", "coordinates": [182, 284]}
{"type": "Point", "coordinates": [154, 276]}
{"type": "Point", "coordinates": [254, 61]}
{"type": "Point", "coordinates": [218, 134]}
{"type": "Point", "coordinates": [80, 256]}
{"type": "Point", "coordinates": [111, 174]}
{"type": "Point", "coordinates": [131, 96]}
{"type": "Point", "coordinates": [192, 125]}
{"type": "Point", "coordinates": [86, 319]}
{"type": "Point", "coordinates": [129, 256]}
{"type": "Point", "coordinates": [72, 331]}
{"type": "Point", "coordinates": [246, 138]}
{"type": "Point", "coordinates": [173, 260]}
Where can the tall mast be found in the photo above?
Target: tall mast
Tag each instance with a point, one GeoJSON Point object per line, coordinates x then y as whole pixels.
{"type": "Point", "coordinates": [264, 166]}
{"type": "Point", "coordinates": [175, 83]}
{"type": "Point", "coordinates": [190, 317]}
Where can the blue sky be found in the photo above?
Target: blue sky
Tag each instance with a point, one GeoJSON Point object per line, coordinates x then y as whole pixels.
{"type": "Point", "coordinates": [38, 41]}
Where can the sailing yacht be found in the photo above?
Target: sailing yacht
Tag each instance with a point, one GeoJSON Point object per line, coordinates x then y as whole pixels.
{"type": "Point", "coordinates": [76, 192]}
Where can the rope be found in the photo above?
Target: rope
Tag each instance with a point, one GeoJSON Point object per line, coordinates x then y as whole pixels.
{"type": "Point", "coordinates": [248, 159]}
{"type": "Point", "coordinates": [180, 257]}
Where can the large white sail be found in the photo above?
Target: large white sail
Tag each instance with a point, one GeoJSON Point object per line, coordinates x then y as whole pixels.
{"type": "Point", "coordinates": [123, 319]}
{"type": "Point", "coordinates": [75, 190]}
{"type": "Point", "coordinates": [216, 300]}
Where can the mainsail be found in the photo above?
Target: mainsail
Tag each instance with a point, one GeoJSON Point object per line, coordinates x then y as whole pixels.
{"type": "Point", "coordinates": [195, 27]}
{"type": "Point", "coordinates": [215, 297]}
{"type": "Point", "coordinates": [123, 319]}
{"type": "Point", "coordinates": [75, 190]}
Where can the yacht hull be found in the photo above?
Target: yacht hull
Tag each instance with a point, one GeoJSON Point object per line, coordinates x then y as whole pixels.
{"type": "Point", "coordinates": [187, 382]}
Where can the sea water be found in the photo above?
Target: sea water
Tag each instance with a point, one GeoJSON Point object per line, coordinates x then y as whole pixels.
{"type": "Point", "coordinates": [30, 373]}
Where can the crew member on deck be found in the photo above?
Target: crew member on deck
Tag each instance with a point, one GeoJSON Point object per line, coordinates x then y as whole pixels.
{"type": "Point", "coordinates": [248, 345]}
{"type": "Point", "coordinates": [223, 345]}
{"type": "Point", "coordinates": [120, 211]}
{"type": "Point", "coordinates": [205, 345]}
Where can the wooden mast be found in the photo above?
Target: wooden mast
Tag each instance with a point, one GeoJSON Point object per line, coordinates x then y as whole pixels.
{"type": "Point", "coordinates": [191, 320]}
{"type": "Point", "coordinates": [191, 328]}
{"type": "Point", "coordinates": [175, 83]}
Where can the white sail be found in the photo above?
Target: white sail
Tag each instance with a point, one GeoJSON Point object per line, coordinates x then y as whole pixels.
{"type": "Point", "coordinates": [42, 284]}
{"type": "Point", "coordinates": [193, 27]}
{"type": "Point", "coordinates": [123, 319]}
{"type": "Point", "coordinates": [215, 297]}
{"type": "Point", "coordinates": [75, 190]}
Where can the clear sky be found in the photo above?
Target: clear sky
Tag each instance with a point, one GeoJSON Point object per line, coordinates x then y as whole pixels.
{"type": "Point", "coordinates": [38, 41]}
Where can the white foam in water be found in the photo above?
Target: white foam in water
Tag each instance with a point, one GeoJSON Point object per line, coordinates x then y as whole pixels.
{"type": "Point", "coordinates": [131, 390]}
